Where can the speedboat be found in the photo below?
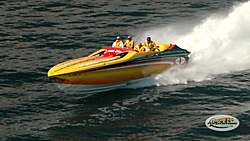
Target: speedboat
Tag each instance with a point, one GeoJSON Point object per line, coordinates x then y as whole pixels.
{"type": "Point", "coordinates": [111, 68]}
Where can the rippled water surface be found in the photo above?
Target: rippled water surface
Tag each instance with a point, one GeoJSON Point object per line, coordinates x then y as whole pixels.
{"type": "Point", "coordinates": [36, 35]}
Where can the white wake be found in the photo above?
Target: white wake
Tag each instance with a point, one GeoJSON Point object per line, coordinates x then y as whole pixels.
{"type": "Point", "coordinates": [218, 45]}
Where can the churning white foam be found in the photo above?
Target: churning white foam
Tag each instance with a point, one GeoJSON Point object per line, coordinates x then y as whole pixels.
{"type": "Point", "coordinates": [220, 44]}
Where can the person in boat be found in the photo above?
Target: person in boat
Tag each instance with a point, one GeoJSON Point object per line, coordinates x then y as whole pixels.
{"type": "Point", "coordinates": [150, 44]}
{"type": "Point", "coordinates": [141, 48]}
{"type": "Point", "coordinates": [118, 42]}
{"type": "Point", "coordinates": [129, 43]}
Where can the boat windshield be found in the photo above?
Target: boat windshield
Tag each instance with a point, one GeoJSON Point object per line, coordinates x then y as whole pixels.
{"type": "Point", "coordinates": [110, 51]}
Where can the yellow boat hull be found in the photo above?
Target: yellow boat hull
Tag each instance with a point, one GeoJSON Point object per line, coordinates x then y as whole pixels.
{"type": "Point", "coordinates": [110, 68]}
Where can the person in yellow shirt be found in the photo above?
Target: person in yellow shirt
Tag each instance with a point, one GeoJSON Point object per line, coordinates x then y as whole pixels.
{"type": "Point", "coordinates": [118, 42]}
{"type": "Point", "coordinates": [141, 48]}
{"type": "Point", "coordinates": [150, 44]}
{"type": "Point", "coordinates": [129, 42]}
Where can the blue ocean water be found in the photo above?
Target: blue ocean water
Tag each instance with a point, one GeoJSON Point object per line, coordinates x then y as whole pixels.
{"type": "Point", "coordinates": [36, 35]}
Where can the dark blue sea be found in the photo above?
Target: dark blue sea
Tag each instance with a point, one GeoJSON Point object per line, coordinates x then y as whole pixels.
{"type": "Point", "coordinates": [38, 34]}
